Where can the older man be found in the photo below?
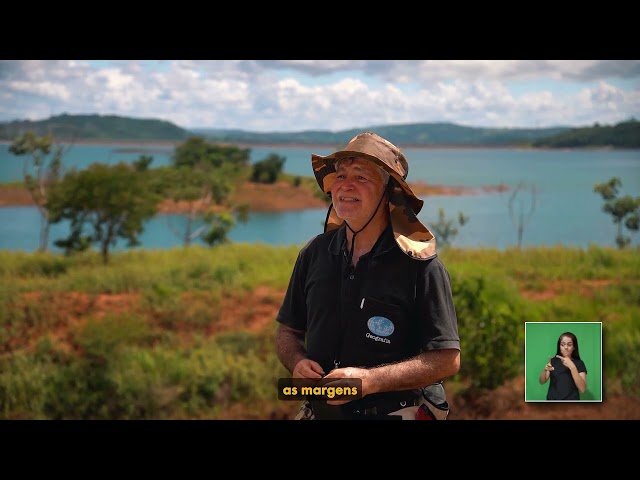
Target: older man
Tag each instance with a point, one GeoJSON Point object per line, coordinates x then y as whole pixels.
{"type": "Point", "coordinates": [369, 299]}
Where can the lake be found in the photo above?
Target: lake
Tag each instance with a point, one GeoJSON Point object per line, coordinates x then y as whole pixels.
{"type": "Point", "coordinates": [567, 211]}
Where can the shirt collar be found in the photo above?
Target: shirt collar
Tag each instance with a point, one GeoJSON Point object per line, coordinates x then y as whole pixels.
{"type": "Point", "coordinates": [385, 242]}
{"type": "Point", "coordinates": [337, 240]}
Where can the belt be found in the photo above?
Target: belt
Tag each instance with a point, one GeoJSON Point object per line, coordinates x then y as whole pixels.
{"type": "Point", "coordinates": [385, 406]}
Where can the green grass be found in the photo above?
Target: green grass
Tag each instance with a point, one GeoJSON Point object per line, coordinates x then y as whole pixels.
{"type": "Point", "coordinates": [157, 359]}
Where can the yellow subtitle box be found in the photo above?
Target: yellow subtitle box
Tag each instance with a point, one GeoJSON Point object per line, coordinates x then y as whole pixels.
{"type": "Point", "coordinates": [321, 389]}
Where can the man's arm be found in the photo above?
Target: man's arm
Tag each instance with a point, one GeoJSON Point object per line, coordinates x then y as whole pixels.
{"type": "Point", "coordinates": [290, 346]}
{"type": "Point", "coordinates": [423, 369]}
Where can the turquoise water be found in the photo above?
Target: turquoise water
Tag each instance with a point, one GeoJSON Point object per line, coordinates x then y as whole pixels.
{"type": "Point", "coordinates": [567, 211]}
{"type": "Point", "coordinates": [81, 156]}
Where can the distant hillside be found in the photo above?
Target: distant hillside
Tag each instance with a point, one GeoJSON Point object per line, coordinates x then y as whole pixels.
{"type": "Point", "coordinates": [116, 128]}
{"type": "Point", "coordinates": [416, 134]}
{"type": "Point", "coordinates": [96, 127]}
{"type": "Point", "coordinates": [623, 135]}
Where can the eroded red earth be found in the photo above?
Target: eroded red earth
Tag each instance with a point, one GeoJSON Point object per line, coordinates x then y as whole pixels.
{"type": "Point", "coordinates": [256, 311]}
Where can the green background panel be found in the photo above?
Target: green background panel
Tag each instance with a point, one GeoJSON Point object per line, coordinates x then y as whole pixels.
{"type": "Point", "coordinates": [540, 343]}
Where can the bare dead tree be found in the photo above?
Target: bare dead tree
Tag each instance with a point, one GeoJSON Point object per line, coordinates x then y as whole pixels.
{"type": "Point", "coordinates": [520, 216]}
{"type": "Point", "coordinates": [40, 173]}
{"type": "Point", "coordinates": [195, 207]}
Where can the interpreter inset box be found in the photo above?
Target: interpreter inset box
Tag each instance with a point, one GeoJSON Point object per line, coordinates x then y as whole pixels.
{"type": "Point", "coordinates": [561, 359]}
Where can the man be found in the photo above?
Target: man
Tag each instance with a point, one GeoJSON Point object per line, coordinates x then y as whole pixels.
{"type": "Point", "coordinates": [369, 298]}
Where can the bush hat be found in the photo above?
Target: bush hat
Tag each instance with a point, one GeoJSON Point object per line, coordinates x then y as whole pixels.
{"type": "Point", "coordinates": [411, 235]}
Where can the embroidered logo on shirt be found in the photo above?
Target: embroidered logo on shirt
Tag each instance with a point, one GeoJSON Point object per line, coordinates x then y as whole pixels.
{"type": "Point", "coordinates": [381, 326]}
{"type": "Point", "coordinates": [378, 339]}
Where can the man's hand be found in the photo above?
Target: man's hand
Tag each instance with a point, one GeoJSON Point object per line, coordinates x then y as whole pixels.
{"type": "Point", "coordinates": [345, 374]}
{"type": "Point", "coordinates": [307, 368]}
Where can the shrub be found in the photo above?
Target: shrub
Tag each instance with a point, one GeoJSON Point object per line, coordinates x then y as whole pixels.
{"type": "Point", "coordinates": [491, 329]}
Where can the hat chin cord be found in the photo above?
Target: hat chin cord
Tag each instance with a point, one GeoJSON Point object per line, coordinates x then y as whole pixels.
{"type": "Point", "coordinates": [353, 239]}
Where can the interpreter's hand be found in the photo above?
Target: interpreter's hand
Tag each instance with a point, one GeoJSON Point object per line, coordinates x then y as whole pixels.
{"type": "Point", "coordinates": [567, 362]}
{"type": "Point", "coordinates": [548, 367]}
{"type": "Point", "coordinates": [307, 368]}
{"type": "Point", "coordinates": [347, 374]}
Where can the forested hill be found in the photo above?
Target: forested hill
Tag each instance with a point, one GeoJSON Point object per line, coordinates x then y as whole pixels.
{"type": "Point", "coordinates": [96, 127]}
{"type": "Point", "coordinates": [622, 135]}
{"type": "Point", "coordinates": [116, 128]}
{"type": "Point", "coordinates": [415, 134]}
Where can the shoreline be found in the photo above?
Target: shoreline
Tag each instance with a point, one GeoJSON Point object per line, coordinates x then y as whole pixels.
{"type": "Point", "coordinates": [330, 146]}
{"type": "Point", "coordinates": [281, 196]}
{"type": "Point", "coordinates": [174, 143]}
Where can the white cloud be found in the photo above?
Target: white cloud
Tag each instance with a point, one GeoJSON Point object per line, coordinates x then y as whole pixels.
{"type": "Point", "coordinates": [46, 89]}
{"type": "Point", "coordinates": [293, 95]}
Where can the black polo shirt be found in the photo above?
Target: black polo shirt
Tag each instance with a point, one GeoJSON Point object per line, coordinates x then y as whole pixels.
{"type": "Point", "coordinates": [389, 308]}
{"type": "Point", "coordinates": [561, 385]}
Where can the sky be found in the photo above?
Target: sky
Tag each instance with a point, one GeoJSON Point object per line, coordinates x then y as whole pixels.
{"type": "Point", "coordinates": [334, 95]}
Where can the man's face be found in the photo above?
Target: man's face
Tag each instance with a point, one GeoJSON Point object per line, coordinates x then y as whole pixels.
{"type": "Point", "coordinates": [356, 190]}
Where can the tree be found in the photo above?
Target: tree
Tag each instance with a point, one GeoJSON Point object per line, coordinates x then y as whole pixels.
{"type": "Point", "coordinates": [142, 163]}
{"type": "Point", "coordinates": [196, 150]}
{"type": "Point", "coordinates": [200, 189]}
{"type": "Point", "coordinates": [445, 229]}
{"type": "Point", "coordinates": [520, 219]}
{"type": "Point", "coordinates": [39, 174]}
{"type": "Point", "coordinates": [219, 226]}
{"type": "Point", "coordinates": [624, 210]}
{"type": "Point", "coordinates": [203, 177]}
{"type": "Point", "coordinates": [268, 169]}
{"type": "Point", "coordinates": [103, 203]}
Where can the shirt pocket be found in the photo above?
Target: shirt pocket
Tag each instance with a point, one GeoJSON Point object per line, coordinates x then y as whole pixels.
{"type": "Point", "coordinates": [381, 330]}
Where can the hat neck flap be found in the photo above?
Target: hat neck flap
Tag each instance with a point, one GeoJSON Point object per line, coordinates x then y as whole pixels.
{"type": "Point", "coordinates": [411, 235]}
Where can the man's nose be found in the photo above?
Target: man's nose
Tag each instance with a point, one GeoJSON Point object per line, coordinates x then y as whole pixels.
{"type": "Point", "coordinates": [348, 182]}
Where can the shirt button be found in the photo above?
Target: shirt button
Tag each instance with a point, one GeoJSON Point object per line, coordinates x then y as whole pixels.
{"type": "Point", "coordinates": [350, 277]}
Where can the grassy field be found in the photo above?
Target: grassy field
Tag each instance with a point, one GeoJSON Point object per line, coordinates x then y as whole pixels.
{"type": "Point", "coordinates": [187, 333]}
